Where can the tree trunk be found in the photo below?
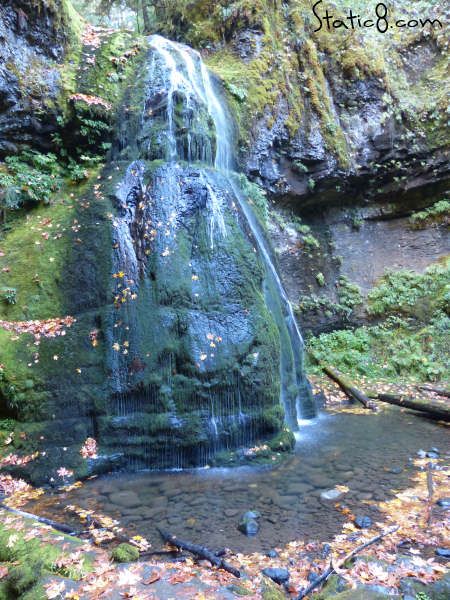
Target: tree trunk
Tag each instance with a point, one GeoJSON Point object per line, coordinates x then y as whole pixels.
{"type": "Point", "coordinates": [145, 16]}
{"type": "Point", "coordinates": [437, 410]}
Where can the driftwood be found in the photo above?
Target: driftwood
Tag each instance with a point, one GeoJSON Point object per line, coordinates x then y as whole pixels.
{"type": "Point", "coordinates": [332, 568]}
{"type": "Point", "coordinates": [439, 391]}
{"type": "Point", "coordinates": [58, 526]}
{"type": "Point", "coordinates": [433, 409]}
{"type": "Point", "coordinates": [199, 551]}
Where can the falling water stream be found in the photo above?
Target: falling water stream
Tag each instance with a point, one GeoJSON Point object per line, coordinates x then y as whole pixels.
{"type": "Point", "coordinates": [196, 82]}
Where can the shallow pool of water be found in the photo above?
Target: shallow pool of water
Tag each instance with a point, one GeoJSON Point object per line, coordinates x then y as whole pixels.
{"type": "Point", "coordinates": [368, 453]}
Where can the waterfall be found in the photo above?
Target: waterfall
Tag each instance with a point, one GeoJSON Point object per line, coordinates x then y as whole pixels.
{"type": "Point", "coordinates": [204, 343]}
{"type": "Point", "coordinates": [198, 82]}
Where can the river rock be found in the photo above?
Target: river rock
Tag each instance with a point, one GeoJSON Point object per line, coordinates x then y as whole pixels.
{"type": "Point", "coordinates": [272, 553]}
{"type": "Point", "coordinates": [432, 455]}
{"type": "Point", "coordinates": [330, 495]}
{"type": "Point", "coordinates": [251, 514]}
{"type": "Point", "coordinates": [421, 453]}
{"type": "Point", "coordinates": [443, 552]}
{"type": "Point", "coordinates": [230, 512]}
{"type": "Point", "coordinates": [125, 498]}
{"type": "Point", "coordinates": [363, 522]}
{"type": "Point", "coordinates": [249, 527]}
{"type": "Point", "coordinates": [278, 575]}
{"type": "Point", "coordinates": [444, 502]}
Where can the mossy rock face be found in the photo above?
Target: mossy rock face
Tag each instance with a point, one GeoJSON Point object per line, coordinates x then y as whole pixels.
{"type": "Point", "coordinates": [179, 333]}
{"type": "Point", "coordinates": [125, 553]}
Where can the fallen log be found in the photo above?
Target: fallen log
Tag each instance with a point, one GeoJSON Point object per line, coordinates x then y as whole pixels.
{"type": "Point", "coordinates": [345, 384]}
{"type": "Point", "coordinates": [58, 526]}
{"type": "Point", "coordinates": [439, 391]}
{"type": "Point", "coordinates": [199, 551]}
{"type": "Point", "coordinates": [332, 568]}
{"type": "Point", "coordinates": [433, 409]}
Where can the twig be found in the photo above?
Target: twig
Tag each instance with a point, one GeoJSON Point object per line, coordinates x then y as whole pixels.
{"type": "Point", "coordinates": [439, 391]}
{"type": "Point", "coordinates": [332, 568]}
{"type": "Point", "coordinates": [58, 526]}
{"type": "Point", "coordinates": [430, 492]}
{"type": "Point", "coordinates": [199, 551]}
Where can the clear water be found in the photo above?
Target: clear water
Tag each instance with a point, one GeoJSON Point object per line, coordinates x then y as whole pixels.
{"type": "Point", "coordinates": [205, 505]}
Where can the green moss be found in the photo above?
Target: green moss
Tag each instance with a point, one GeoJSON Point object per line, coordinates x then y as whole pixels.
{"type": "Point", "coordinates": [283, 442]}
{"type": "Point", "coordinates": [270, 592]}
{"type": "Point", "coordinates": [22, 577]}
{"type": "Point", "coordinates": [125, 553]}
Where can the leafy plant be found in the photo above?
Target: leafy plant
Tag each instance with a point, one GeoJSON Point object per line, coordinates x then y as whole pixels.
{"type": "Point", "coordinates": [30, 177]}
{"type": "Point", "coordinates": [320, 279]}
{"type": "Point", "coordinates": [10, 295]}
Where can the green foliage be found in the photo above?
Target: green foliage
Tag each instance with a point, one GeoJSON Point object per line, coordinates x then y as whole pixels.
{"type": "Point", "coordinates": [311, 241]}
{"type": "Point", "coordinates": [411, 294]}
{"type": "Point", "coordinates": [348, 297]}
{"type": "Point", "coordinates": [422, 596]}
{"type": "Point", "coordinates": [437, 213]}
{"type": "Point", "coordinates": [411, 339]}
{"type": "Point", "coordinates": [256, 196]}
{"type": "Point", "coordinates": [320, 279]}
{"type": "Point", "coordinates": [30, 177]}
{"type": "Point", "coordinates": [9, 295]}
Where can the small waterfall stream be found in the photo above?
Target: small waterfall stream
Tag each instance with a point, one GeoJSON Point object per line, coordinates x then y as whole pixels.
{"type": "Point", "coordinates": [193, 257]}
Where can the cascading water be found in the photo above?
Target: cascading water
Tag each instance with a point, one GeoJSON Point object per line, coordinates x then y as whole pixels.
{"type": "Point", "coordinates": [203, 338]}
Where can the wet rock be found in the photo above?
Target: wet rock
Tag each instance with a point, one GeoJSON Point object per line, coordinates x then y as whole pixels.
{"type": "Point", "coordinates": [249, 527]}
{"type": "Point", "coordinates": [278, 575]}
{"type": "Point", "coordinates": [363, 522]}
{"type": "Point", "coordinates": [432, 455]}
{"type": "Point", "coordinates": [330, 495]}
{"type": "Point", "coordinates": [272, 553]}
{"type": "Point", "coordinates": [421, 453]}
{"type": "Point", "coordinates": [443, 552]}
{"type": "Point", "coordinates": [434, 449]}
{"type": "Point", "coordinates": [299, 488]}
{"type": "Point", "coordinates": [396, 470]}
{"type": "Point", "coordinates": [251, 514]}
{"type": "Point", "coordinates": [124, 498]}
{"type": "Point", "coordinates": [443, 502]}
{"type": "Point", "coordinates": [230, 512]}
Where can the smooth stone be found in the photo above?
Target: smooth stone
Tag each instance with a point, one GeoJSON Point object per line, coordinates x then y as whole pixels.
{"type": "Point", "coordinates": [443, 552]}
{"type": "Point", "coordinates": [432, 455]}
{"type": "Point", "coordinates": [249, 527]}
{"type": "Point", "coordinates": [278, 575]}
{"type": "Point", "coordinates": [363, 522]}
{"type": "Point", "coordinates": [444, 502]}
{"type": "Point", "coordinates": [396, 470]}
{"type": "Point", "coordinates": [251, 514]}
{"type": "Point", "coordinates": [299, 488]}
{"type": "Point", "coordinates": [421, 453]}
{"type": "Point", "coordinates": [330, 495]}
{"type": "Point", "coordinates": [230, 512]}
{"type": "Point", "coordinates": [272, 553]}
{"type": "Point", "coordinates": [434, 450]}
{"type": "Point", "coordinates": [125, 498]}
{"type": "Point", "coordinates": [287, 501]}
{"type": "Point", "coordinates": [365, 496]}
